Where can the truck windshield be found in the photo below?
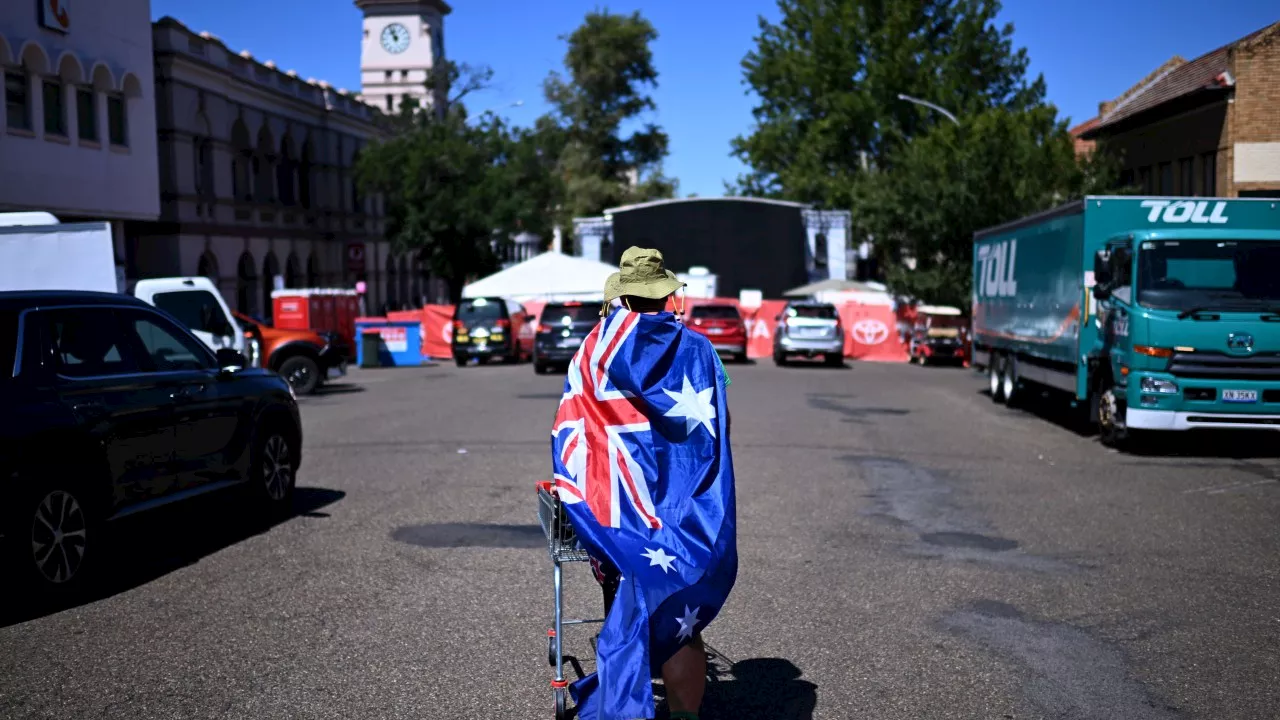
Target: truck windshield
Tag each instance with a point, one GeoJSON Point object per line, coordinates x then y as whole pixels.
{"type": "Point", "coordinates": [1209, 274]}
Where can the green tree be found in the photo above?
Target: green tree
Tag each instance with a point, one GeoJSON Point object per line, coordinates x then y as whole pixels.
{"type": "Point", "coordinates": [609, 68]}
{"type": "Point", "coordinates": [457, 188]}
{"type": "Point", "coordinates": [828, 75]}
{"type": "Point", "coordinates": [997, 166]}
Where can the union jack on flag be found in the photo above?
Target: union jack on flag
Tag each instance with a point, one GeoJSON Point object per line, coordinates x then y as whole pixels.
{"type": "Point", "coordinates": [642, 464]}
{"type": "Point", "coordinates": [599, 466]}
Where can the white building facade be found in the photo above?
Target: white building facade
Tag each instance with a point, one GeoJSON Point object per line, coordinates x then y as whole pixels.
{"type": "Point", "coordinates": [78, 134]}
{"type": "Point", "coordinates": [403, 41]}
{"type": "Point", "coordinates": [257, 182]}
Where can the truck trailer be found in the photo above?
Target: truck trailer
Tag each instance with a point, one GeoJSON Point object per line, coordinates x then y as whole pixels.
{"type": "Point", "coordinates": [37, 252]}
{"type": "Point", "coordinates": [1151, 313]}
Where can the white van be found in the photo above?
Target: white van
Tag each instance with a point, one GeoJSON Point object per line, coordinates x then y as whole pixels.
{"type": "Point", "coordinates": [37, 252]}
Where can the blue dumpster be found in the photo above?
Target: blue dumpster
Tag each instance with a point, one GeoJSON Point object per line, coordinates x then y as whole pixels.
{"type": "Point", "coordinates": [399, 345]}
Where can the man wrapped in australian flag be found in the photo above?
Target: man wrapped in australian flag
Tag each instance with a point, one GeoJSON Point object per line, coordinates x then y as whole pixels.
{"type": "Point", "coordinates": [640, 448]}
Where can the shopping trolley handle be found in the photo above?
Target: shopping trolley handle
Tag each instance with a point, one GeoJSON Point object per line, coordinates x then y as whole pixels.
{"type": "Point", "coordinates": [547, 486]}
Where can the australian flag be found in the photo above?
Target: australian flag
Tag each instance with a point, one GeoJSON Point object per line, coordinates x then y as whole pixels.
{"type": "Point", "coordinates": [642, 464]}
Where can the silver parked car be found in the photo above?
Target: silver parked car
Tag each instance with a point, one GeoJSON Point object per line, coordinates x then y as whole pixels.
{"type": "Point", "coordinates": [809, 329]}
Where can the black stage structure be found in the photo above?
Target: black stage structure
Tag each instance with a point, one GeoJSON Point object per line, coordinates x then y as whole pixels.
{"type": "Point", "coordinates": [749, 243]}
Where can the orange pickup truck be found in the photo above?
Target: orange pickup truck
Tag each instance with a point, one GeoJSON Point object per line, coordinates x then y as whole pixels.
{"type": "Point", "coordinates": [305, 358]}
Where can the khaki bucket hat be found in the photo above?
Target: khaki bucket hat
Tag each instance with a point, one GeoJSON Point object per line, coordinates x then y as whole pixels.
{"type": "Point", "coordinates": [642, 274]}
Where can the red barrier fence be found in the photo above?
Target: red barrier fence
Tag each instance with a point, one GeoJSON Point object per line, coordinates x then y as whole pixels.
{"type": "Point", "coordinates": [871, 331]}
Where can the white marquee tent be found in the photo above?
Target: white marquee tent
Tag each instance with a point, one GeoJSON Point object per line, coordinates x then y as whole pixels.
{"type": "Point", "coordinates": [551, 276]}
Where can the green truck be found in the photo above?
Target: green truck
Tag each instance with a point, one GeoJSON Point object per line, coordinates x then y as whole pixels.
{"type": "Point", "coordinates": [1153, 313]}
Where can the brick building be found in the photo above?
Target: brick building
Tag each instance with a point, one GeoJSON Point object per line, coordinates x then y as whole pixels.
{"type": "Point", "coordinates": [1204, 127]}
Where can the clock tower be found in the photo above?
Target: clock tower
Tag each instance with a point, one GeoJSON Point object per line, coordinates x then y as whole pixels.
{"type": "Point", "coordinates": [403, 40]}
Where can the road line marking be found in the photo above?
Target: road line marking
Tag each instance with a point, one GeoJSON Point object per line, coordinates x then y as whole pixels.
{"type": "Point", "coordinates": [1216, 489]}
{"type": "Point", "coordinates": [1240, 486]}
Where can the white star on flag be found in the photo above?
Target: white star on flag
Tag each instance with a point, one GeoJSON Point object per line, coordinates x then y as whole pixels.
{"type": "Point", "coordinates": [687, 622]}
{"type": "Point", "coordinates": [660, 558]}
{"type": "Point", "coordinates": [694, 406]}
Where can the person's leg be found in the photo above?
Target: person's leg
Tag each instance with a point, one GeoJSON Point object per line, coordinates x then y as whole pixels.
{"type": "Point", "coordinates": [685, 678]}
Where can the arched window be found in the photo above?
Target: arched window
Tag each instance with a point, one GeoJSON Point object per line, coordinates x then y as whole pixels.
{"type": "Point", "coordinates": [390, 282]}
{"type": "Point", "coordinates": [286, 173]}
{"type": "Point", "coordinates": [305, 175]}
{"type": "Point", "coordinates": [208, 267]}
{"type": "Point", "coordinates": [270, 269]}
{"type": "Point", "coordinates": [202, 147]}
{"type": "Point", "coordinates": [247, 285]}
{"type": "Point", "coordinates": [241, 162]}
{"type": "Point", "coordinates": [264, 167]}
{"type": "Point", "coordinates": [313, 271]}
{"type": "Point", "coordinates": [416, 285]}
{"type": "Point", "coordinates": [292, 271]}
{"type": "Point", "coordinates": [405, 298]}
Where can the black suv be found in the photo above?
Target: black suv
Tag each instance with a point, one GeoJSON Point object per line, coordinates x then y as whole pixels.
{"type": "Point", "coordinates": [491, 327]}
{"type": "Point", "coordinates": [111, 408]}
{"type": "Point", "coordinates": [561, 329]}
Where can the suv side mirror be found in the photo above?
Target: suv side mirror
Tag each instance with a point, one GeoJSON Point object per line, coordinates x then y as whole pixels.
{"type": "Point", "coordinates": [231, 359]}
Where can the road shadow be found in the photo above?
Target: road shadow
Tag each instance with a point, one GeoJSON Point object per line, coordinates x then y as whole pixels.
{"type": "Point", "coordinates": [815, 365]}
{"type": "Point", "coordinates": [854, 414]}
{"type": "Point", "coordinates": [1055, 407]}
{"type": "Point", "coordinates": [771, 688]}
{"type": "Point", "coordinates": [339, 389]}
{"type": "Point", "coordinates": [458, 535]}
{"type": "Point", "coordinates": [148, 546]}
{"type": "Point", "coordinates": [1051, 406]}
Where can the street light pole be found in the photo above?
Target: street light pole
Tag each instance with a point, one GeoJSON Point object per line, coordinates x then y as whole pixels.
{"type": "Point", "coordinates": [929, 105]}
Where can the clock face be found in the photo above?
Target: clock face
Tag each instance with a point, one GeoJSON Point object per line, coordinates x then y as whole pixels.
{"type": "Point", "coordinates": [395, 38]}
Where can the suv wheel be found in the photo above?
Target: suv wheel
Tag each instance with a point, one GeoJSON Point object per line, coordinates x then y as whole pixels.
{"type": "Point", "coordinates": [779, 359]}
{"type": "Point", "coordinates": [272, 473]}
{"type": "Point", "coordinates": [55, 538]}
{"type": "Point", "coordinates": [302, 373]}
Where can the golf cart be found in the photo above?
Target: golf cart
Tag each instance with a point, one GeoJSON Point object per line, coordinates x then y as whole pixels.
{"type": "Point", "coordinates": [940, 333]}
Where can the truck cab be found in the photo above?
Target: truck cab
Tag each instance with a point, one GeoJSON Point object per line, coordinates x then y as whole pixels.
{"type": "Point", "coordinates": [1188, 330]}
{"type": "Point", "coordinates": [196, 303]}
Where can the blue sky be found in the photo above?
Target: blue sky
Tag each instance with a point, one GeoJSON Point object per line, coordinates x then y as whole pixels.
{"type": "Point", "coordinates": [1088, 50]}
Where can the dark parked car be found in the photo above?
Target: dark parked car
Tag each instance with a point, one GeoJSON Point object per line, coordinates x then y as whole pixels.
{"type": "Point", "coordinates": [561, 329]}
{"type": "Point", "coordinates": [486, 328]}
{"type": "Point", "coordinates": [111, 408]}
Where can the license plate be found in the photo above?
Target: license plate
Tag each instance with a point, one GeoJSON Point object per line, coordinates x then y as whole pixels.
{"type": "Point", "coordinates": [807, 332]}
{"type": "Point", "coordinates": [715, 331]}
{"type": "Point", "coordinates": [570, 342]}
{"type": "Point", "coordinates": [1240, 396]}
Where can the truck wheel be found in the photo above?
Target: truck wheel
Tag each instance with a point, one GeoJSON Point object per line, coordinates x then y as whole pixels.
{"type": "Point", "coordinates": [1111, 414]}
{"type": "Point", "coordinates": [995, 368]}
{"type": "Point", "coordinates": [1009, 381]}
{"type": "Point", "coordinates": [302, 373]}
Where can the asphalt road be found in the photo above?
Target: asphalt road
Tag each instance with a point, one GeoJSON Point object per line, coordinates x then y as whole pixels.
{"type": "Point", "coordinates": [908, 550]}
